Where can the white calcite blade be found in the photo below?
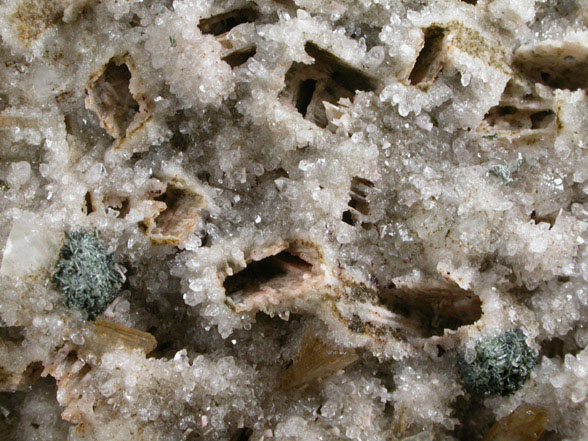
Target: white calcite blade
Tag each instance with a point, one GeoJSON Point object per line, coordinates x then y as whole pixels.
{"type": "Point", "coordinates": [31, 249]}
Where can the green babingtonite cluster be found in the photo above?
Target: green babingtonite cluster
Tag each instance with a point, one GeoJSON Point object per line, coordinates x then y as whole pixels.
{"type": "Point", "coordinates": [87, 273]}
{"type": "Point", "coordinates": [501, 366]}
{"type": "Point", "coordinates": [506, 172]}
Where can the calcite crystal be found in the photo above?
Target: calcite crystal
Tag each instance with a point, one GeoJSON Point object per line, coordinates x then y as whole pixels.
{"type": "Point", "coordinates": [343, 220]}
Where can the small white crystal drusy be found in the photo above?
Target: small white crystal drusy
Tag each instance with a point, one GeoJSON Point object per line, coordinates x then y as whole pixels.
{"type": "Point", "coordinates": [320, 207]}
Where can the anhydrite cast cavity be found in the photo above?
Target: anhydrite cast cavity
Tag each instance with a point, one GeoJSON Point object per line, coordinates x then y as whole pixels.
{"type": "Point", "coordinates": [294, 220]}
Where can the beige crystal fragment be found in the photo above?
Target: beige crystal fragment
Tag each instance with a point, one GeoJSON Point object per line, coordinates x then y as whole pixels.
{"type": "Point", "coordinates": [142, 203]}
{"type": "Point", "coordinates": [236, 58]}
{"type": "Point", "coordinates": [298, 280]}
{"type": "Point", "coordinates": [136, 138]}
{"type": "Point", "coordinates": [178, 212]}
{"type": "Point", "coordinates": [168, 209]}
{"type": "Point", "coordinates": [444, 44]}
{"type": "Point", "coordinates": [234, 31]}
{"type": "Point", "coordinates": [455, 54]}
{"type": "Point", "coordinates": [222, 23]}
{"type": "Point", "coordinates": [435, 304]}
{"type": "Point", "coordinates": [95, 202]}
{"type": "Point", "coordinates": [359, 306]}
{"type": "Point", "coordinates": [526, 423]}
{"type": "Point", "coordinates": [271, 250]}
{"type": "Point", "coordinates": [72, 364]}
{"type": "Point", "coordinates": [315, 361]}
{"type": "Point", "coordinates": [103, 336]}
{"type": "Point", "coordinates": [431, 58]}
{"type": "Point", "coordinates": [327, 80]}
{"type": "Point", "coordinates": [178, 220]}
{"type": "Point", "coordinates": [274, 280]}
{"type": "Point", "coordinates": [106, 335]}
{"type": "Point", "coordinates": [519, 121]}
{"type": "Point", "coordinates": [114, 94]}
{"type": "Point", "coordinates": [336, 115]}
{"type": "Point", "coordinates": [523, 113]}
{"type": "Point", "coordinates": [361, 193]}
{"type": "Point", "coordinates": [275, 276]}
{"type": "Point", "coordinates": [556, 63]}
{"type": "Point", "coordinates": [71, 376]}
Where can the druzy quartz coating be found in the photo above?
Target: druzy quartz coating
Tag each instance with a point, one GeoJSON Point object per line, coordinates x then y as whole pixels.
{"type": "Point", "coordinates": [299, 220]}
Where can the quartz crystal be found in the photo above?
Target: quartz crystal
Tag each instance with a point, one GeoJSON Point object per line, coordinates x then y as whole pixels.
{"type": "Point", "coordinates": [306, 216]}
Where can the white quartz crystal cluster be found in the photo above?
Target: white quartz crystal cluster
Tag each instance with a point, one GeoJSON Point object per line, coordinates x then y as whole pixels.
{"type": "Point", "coordinates": [318, 208]}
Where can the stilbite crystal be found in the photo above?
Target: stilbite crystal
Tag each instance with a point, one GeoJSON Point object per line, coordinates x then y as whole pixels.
{"type": "Point", "coordinates": [525, 423]}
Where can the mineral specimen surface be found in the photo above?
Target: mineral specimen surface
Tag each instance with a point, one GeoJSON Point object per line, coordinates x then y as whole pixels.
{"type": "Point", "coordinates": [359, 220]}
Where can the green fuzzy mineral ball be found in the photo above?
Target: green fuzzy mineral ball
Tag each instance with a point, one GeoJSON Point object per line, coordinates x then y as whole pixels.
{"type": "Point", "coordinates": [87, 273]}
{"type": "Point", "coordinates": [501, 366]}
